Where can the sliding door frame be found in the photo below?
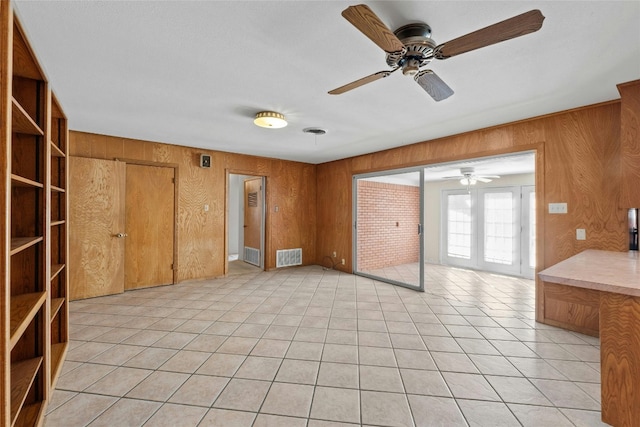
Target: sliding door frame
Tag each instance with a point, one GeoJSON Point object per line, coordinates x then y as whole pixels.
{"type": "Point", "coordinates": [420, 227]}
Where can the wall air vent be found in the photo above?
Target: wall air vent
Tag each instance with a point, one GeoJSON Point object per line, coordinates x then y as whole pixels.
{"type": "Point", "coordinates": [288, 257]}
{"type": "Point", "coordinates": [252, 255]}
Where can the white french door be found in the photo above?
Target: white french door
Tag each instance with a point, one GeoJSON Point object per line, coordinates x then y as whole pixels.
{"type": "Point", "coordinates": [491, 229]}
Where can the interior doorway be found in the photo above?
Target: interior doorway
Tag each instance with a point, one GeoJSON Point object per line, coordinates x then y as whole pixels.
{"type": "Point", "coordinates": [245, 223]}
{"type": "Point", "coordinates": [476, 213]}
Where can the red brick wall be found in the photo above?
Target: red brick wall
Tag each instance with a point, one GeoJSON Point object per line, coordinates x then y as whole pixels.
{"type": "Point", "coordinates": [388, 217]}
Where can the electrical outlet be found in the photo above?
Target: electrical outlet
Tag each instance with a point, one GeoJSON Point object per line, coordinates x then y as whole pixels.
{"type": "Point", "coordinates": [334, 254]}
{"type": "Point", "coordinates": [206, 208]}
{"type": "Point", "coordinates": [557, 208]}
{"type": "Point", "coordinates": [342, 261]}
{"type": "Point", "coordinates": [581, 234]}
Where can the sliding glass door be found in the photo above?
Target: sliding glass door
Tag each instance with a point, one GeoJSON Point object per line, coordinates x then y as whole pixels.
{"type": "Point", "coordinates": [388, 212]}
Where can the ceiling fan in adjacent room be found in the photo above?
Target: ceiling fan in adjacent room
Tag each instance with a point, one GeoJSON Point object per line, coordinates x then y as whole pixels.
{"type": "Point", "coordinates": [410, 48]}
{"type": "Point", "coordinates": [468, 177]}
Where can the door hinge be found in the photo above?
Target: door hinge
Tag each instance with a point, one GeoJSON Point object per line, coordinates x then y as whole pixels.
{"type": "Point", "coordinates": [172, 266]}
{"type": "Point", "coordinates": [173, 180]}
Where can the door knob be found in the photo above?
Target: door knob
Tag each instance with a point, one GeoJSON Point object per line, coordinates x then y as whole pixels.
{"type": "Point", "coordinates": [120, 235]}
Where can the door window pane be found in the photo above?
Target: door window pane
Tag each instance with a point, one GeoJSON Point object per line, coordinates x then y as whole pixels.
{"type": "Point", "coordinates": [499, 238]}
{"type": "Point", "coordinates": [459, 226]}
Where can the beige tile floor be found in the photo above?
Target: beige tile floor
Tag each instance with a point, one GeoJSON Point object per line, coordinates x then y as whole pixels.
{"type": "Point", "coordinates": [310, 347]}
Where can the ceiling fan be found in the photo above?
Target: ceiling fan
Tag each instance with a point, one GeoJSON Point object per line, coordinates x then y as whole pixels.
{"type": "Point", "coordinates": [411, 47]}
{"type": "Point", "coordinates": [468, 177]}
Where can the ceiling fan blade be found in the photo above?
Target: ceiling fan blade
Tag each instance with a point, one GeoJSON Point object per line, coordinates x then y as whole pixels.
{"type": "Point", "coordinates": [363, 18]}
{"type": "Point", "coordinates": [430, 82]}
{"type": "Point", "coordinates": [360, 82]}
{"type": "Point", "coordinates": [482, 179]}
{"type": "Point", "coordinates": [517, 26]}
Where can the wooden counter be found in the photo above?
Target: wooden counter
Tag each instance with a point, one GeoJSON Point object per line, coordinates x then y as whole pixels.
{"type": "Point", "coordinates": [617, 276]}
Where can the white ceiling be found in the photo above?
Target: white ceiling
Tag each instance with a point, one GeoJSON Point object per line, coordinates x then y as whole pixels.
{"type": "Point", "coordinates": [195, 73]}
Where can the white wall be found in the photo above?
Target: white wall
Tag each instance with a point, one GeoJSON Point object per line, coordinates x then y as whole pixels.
{"type": "Point", "coordinates": [432, 200]}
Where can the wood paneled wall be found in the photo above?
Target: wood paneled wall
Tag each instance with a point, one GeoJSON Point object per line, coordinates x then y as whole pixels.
{"type": "Point", "coordinates": [630, 144]}
{"type": "Point", "coordinates": [202, 235]}
{"type": "Point", "coordinates": [577, 162]}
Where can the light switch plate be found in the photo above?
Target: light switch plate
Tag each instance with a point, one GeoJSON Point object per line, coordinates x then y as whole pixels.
{"type": "Point", "coordinates": [557, 208]}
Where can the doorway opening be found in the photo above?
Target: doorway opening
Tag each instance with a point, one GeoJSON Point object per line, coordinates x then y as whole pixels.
{"type": "Point", "coordinates": [476, 214]}
{"type": "Point", "coordinates": [245, 223]}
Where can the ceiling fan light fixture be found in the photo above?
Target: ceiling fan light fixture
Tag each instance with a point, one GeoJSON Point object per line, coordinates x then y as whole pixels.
{"type": "Point", "coordinates": [270, 120]}
{"type": "Point", "coordinates": [468, 181]}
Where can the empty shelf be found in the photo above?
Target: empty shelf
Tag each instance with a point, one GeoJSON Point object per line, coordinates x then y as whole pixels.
{"type": "Point", "coordinates": [23, 308]}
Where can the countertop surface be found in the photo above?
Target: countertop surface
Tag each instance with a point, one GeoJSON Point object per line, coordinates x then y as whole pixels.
{"type": "Point", "coordinates": [607, 271]}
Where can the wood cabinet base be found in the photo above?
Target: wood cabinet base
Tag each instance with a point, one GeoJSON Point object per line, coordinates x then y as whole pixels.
{"type": "Point", "coordinates": [620, 359]}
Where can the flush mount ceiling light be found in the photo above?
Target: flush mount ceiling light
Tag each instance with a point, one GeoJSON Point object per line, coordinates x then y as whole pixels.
{"type": "Point", "coordinates": [270, 120]}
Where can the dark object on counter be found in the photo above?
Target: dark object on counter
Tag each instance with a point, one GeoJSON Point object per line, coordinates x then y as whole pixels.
{"type": "Point", "coordinates": [633, 229]}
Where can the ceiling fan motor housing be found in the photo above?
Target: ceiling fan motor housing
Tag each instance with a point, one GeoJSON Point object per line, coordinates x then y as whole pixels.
{"type": "Point", "coordinates": [418, 44]}
{"type": "Point", "coordinates": [467, 171]}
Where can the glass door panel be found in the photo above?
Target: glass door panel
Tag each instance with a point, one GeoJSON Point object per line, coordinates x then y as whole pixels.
{"type": "Point", "coordinates": [499, 230]}
{"type": "Point", "coordinates": [387, 227]}
{"type": "Point", "coordinates": [459, 226]}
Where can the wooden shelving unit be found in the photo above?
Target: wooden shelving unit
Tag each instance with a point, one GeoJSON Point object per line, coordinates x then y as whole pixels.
{"type": "Point", "coordinates": [35, 286]}
{"type": "Point", "coordinates": [58, 240]}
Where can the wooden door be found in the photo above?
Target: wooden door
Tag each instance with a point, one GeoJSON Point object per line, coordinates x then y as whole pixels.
{"type": "Point", "coordinates": [96, 216]}
{"type": "Point", "coordinates": [149, 247]}
{"type": "Point", "coordinates": [252, 220]}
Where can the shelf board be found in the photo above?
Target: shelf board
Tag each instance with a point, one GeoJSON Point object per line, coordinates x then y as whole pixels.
{"type": "Point", "coordinates": [55, 270]}
{"type": "Point", "coordinates": [23, 309]}
{"type": "Point", "coordinates": [56, 151]}
{"type": "Point", "coordinates": [22, 375]}
{"type": "Point", "coordinates": [20, 181]}
{"type": "Point", "coordinates": [58, 189]}
{"type": "Point", "coordinates": [21, 243]}
{"type": "Point", "coordinates": [56, 303]}
{"type": "Point", "coordinates": [21, 122]}
{"type": "Point", "coordinates": [55, 223]}
{"type": "Point", "coordinates": [57, 360]}
{"type": "Point", "coordinates": [30, 415]}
